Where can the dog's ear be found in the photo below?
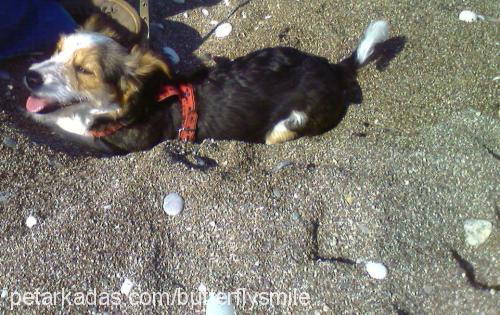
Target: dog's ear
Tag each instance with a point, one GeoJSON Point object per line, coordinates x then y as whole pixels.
{"type": "Point", "coordinates": [100, 23]}
{"type": "Point", "coordinates": [144, 70]}
{"type": "Point", "coordinates": [147, 63]}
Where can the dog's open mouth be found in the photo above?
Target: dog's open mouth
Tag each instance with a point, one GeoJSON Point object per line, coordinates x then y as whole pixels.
{"type": "Point", "coordinates": [39, 105]}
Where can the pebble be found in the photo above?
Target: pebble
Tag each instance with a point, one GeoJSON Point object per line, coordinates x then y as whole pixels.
{"type": "Point", "coordinates": [334, 241]}
{"type": "Point", "coordinates": [428, 289]}
{"type": "Point", "coordinates": [31, 221]}
{"type": "Point", "coordinates": [173, 204]}
{"type": "Point", "coordinates": [4, 196]}
{"type": "Point", "coordinates": [219, 304]}
{"type": "Point", "coordinates": [4, 293]}
{"type": "Point", "coordinates": [202, 288]}
{"type": "Point", "coordinates": [223, 30]}
{"type": "Point", "coordinates": [212, 223]}
{"type": "Point", "coordinates": [477, 231]}
{"type": "Point", "coordinates": [226, 2]}
{"type": "Point", "coordinates": [376, 270]}
{"type": "Point", "coordinates": [107, 207]}
{"type": "Point", "coordinates": [349, 199]}
{"type": "Point", "coordinates": [171, 55]}
{"type": "Point", "coordinates": [276, 193]}
{"type": "Point", "coordinates": [364, 228]}
{"type": "Point", "coordinates": [126, 287]}
{"type": "Point", "coordinates": [205, 12]}
{"type": "Point", "coordinates": [469, 16]}
{"type": "Point", "coordinates": [281, 166]}
{"type": "Point", "coordinates": [295, 216]}
{"type": "Point", "coordinates": [9, 142]}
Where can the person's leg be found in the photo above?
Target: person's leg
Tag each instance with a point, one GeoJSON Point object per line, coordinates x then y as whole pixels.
{"type": "Point", "coordinates": [29, 26]}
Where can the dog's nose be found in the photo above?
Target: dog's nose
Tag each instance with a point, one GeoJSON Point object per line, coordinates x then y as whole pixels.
{"type": "Point", "coordinates": [33, 79]}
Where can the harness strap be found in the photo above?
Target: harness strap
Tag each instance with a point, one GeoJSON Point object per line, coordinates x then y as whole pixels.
{"type": "Point", "coordinates": [185, 92]}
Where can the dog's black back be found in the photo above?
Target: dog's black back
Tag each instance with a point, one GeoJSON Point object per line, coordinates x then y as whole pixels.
{"type": "Point", "coordinates": [245, 98]}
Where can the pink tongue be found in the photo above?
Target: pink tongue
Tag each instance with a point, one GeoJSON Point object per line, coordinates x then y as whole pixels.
{"type": "Point", "coordinates": [35, 104]}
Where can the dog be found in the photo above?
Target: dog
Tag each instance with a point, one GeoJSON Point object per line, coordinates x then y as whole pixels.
{"type": "Point", "coordinates": [96, 89]}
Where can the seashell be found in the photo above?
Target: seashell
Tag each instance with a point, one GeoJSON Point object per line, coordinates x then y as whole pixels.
{"type": "Point", "coordinates": [477, 231]}
{"type": "Point", "coordinates": [31, 221]}
{"type": "Point", "coordinates": [202, 288]}
{"type": "Point", "coordinates": [219, 304]}
{"type": "Point", "coordinates": [173, 204]}
{"type": "Point", "coordinates": [469, 16]}
{"type": "Point", "coordinates": [376, 270]}
{"type": "Point", "coordinates": [126, 287]}
{"type": "Point", "coordinates": [223, 30]}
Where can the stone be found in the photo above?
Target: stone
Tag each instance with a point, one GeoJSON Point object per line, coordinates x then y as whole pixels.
{"type": "Point", "coordinates": [477, 231]}
{"type": "Point", "coordinates": [376, 270]}
{"type": "Point", "coordinates": [173, 204]}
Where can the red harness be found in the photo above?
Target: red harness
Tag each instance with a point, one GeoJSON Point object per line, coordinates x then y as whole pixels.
{"type": "Point", "coordinates": [185, 92]}
{"type": "Point", "coordinates": [187, 131]}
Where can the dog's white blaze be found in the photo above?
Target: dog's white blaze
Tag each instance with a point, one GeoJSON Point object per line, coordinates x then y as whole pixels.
{"type": "Point", "coordinates": [73, 124]}
{"type": "Point", "coordinates": [49, 78]}
{"type": "Point", "coordinates": [77, 41]}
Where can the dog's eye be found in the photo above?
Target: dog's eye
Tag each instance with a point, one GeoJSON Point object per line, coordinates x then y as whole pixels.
{"type": "Point", "coordinates": [82, 70]}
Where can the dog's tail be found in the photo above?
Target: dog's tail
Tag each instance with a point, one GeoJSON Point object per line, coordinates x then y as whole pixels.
{"type": "Point", "coordinates": [376, 33]}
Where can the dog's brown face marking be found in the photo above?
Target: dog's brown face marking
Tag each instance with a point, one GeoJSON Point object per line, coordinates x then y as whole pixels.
{"type": "Point", "coordinates": [97, 74]}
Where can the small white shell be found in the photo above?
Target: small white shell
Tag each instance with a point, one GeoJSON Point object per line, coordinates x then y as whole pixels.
{"type": "Point", "coordinates": [126, 287]}
{"type": "Point", "coordinates": [31, 221]}
{"type": "Point", "coordinates": [469, 16]}
{"type": "Point", "coordinates": [173, 204]}
{"type": "Point", "coordinates": [171, 55]}
{"type": "Point", "coordinates": [477, 231]}
{"type": "Point", "coordinates": [223, 30]}
{"type": "Point", "coordinates": [219, 304]}
{"type": "Point", "coordinates": [204, 12]}
{"type": "Point", "coordinates": [376, 270]}
{"type": "Point", "coordinates": [202, 288]}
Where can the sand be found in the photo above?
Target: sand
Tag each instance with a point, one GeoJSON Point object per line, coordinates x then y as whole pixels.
{"type": "Point", "coordinates": [393, 183]}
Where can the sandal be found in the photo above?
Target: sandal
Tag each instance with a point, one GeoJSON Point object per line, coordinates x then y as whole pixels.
{"type": "Point", "coordinates": [119, 11]}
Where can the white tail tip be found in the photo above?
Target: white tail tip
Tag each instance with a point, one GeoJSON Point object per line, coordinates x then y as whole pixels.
{"type": "Point", "coordinates": [375, 33]}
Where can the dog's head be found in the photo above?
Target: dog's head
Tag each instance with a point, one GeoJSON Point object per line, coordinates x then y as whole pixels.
{"type": "Point", "coordinates": [89, 77]}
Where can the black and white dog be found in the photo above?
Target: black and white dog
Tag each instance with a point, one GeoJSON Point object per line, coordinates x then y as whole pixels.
{"type": "Point", "coordinates": [95, 88]}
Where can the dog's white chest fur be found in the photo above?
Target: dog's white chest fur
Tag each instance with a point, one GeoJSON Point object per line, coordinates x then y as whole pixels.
{"type": "Point", "coordinates": [74, 124]}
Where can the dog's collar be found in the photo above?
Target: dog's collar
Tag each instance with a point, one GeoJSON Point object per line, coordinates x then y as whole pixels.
{"type": "Point", "coordinates": [110, 129]}
{"type": "Point", "coordinates": [185, 92]}
{"type": "Point", "coordinates": [187, 131]}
